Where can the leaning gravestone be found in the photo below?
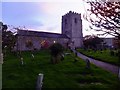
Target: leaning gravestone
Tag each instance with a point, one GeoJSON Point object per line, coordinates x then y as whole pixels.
{"type": "Point", "coordinates": [39, 82]}
{"type": "Point", "coordinates": [62, 57]}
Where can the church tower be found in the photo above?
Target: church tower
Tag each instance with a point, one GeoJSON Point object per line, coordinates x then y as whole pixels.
{"type": "Point", "coordinates": [72, 27]}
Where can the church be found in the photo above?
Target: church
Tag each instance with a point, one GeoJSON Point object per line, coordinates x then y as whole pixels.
{"type": "Point", "coordinates": [71, 35]}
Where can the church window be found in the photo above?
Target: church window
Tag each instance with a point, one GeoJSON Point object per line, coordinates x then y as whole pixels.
{"type": "Point", "coordinates": [29, 44]}
{"type": "Point", "coordinates": [75, 20]}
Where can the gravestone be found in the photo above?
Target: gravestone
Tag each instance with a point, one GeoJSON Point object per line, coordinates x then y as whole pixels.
{"type": "Point", "coordinates": [32, 56]}
{"type": "Point", "coordinates": [87, 63]}
{"type": "Point", "coordinates": [67, 53]}
{"type": "Point", "coordinates": [119, 73]}
{"type": "Point", "coordinates": [39, 82]}
{"type": "Point", "coordinates": [62, 57]}
{"type": "Point", "coordinates": [76, 53]}
{"type": "Point", "coordinates": [21, 59]}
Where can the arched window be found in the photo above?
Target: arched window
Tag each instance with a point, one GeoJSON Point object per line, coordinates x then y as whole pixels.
{"type": "Point", "coordinates": [29, 44]}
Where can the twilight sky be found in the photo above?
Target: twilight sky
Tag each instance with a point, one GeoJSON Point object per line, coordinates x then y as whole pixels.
{"type": "Point", "coordinates": [41, 16]}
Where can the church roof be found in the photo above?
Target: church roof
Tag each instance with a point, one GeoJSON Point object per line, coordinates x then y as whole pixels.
{"type": "Point", "coordinates": [40, 34]}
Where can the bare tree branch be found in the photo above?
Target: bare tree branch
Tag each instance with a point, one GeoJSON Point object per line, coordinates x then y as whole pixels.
{"type": "Point", "coordinates": [107, 17]}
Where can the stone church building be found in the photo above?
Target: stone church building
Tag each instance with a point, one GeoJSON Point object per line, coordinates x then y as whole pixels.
{"type": "Point", "coordinates": [71, 35]}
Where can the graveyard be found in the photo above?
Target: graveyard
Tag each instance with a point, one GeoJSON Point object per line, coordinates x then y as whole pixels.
{"type": "Point", "coordinates": [68, 73]}
{"type": "Point", "coordinates": [109, 56]}
{"type": "Point", "coordinates": [53, 45]}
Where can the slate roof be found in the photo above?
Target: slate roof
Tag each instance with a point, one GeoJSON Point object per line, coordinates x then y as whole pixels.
{"type": "Point", "coordinates": [40, 34]}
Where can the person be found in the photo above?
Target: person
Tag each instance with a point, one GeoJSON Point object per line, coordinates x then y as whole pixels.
{"type": "Point", "coordinates": [87, 63]}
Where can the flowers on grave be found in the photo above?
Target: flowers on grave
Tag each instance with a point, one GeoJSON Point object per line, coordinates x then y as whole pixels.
{"type": "Point", "coordinates": [44, 44]}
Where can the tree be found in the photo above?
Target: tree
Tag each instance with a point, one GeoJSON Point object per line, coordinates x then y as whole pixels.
{"type": "Point", "coordinates": [92, 41]}
{"type": "Point", "coordinates": [8, 38]}
{"type": "Point", "coordinates": [105, 16]}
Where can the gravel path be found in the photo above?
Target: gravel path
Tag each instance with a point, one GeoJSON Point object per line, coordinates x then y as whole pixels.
{"type": "Point", "coordinates": [109, 67]}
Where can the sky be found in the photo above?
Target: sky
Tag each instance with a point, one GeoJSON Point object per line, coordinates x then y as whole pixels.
{"type": "Point", "coordinates": [41, 15]}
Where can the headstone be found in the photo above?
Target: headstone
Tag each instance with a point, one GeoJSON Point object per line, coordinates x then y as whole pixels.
{"type": "Point", "coordinates": [67, 53]}
{"type": "Point", "coordinates": [32, 56]}
{"type": "Point", "coordinates": [39, 82]}
{"type": "Point", "coordinates": [22, 63]}
{"type": "Point", "coordinates": [76, 53]}
{"type": "Point", "coordinates": [62, 57]}
{"type": "Point", "coordinates": [87, 64]}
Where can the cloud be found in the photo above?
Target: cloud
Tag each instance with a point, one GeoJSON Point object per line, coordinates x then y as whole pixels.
{"type": "Point", "coordinates": [58, 8]}
{"type": "Point", "coordinates": [42, 16]}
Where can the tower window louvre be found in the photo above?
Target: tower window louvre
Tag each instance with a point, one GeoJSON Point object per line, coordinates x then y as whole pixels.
{"type": "Point", "coordinates": [65, 21]}
{"type": "Point", "coordinates": [75, 20]}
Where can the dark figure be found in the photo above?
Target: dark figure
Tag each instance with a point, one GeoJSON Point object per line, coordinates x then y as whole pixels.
{"type": "Point", "coordinates": [87, 64]}
{"type": "Point", "coordinates": [75, 48]}
{"type": "Point", "coordinates": [76, 54]}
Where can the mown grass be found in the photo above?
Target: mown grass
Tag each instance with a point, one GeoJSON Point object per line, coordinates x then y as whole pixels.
{"type": "Point", "coordinates": [101, 55]}
{"type": "Point", "coordinates": [65, 75]}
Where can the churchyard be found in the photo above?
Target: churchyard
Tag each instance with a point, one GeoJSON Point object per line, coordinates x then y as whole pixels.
{"type": "Point", "coordinates": [109, 56]}
{"type": "Point", "coordinates": [68, 73]}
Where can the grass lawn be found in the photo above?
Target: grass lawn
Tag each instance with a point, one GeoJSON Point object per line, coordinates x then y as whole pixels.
{"type": "Point", "coordinates": [104, 56]}
{"type": "Point", "coordinates": [67, 74]}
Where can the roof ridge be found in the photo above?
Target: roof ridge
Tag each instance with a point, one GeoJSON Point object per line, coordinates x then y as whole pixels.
{"type": "Point", "coordinates": [41, 34]}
